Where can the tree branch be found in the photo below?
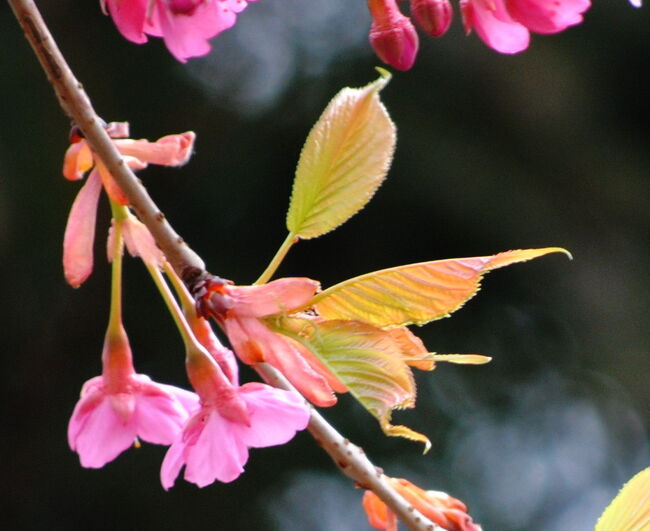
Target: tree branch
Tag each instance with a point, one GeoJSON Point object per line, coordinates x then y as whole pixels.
{"type": "Point", "coordinates": [350, 458]}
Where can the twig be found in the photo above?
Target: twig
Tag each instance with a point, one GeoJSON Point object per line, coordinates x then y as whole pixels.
{"type": "Point", "coordinates": [350, 459]}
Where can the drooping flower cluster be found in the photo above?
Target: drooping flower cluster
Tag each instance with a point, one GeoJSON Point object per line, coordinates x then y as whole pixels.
{"type": "Point", "coordinates": [503, 25]}
{"type": "Point", "coordinates": [185, 25]}
{"type": "Point", "coordinates": [209, 431]}
{"type": "Point", "coordinates": [171, 150]}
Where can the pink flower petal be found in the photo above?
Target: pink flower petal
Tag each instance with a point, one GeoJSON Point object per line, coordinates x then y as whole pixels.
{"type": "Point", "coordinates": [80, 233]}
{"type": "Point", "coordinates": [77, 161]}
{"type": "Point", "coordinates": [186, 35]}
{"type": "Point", "coordinates": [140, 242]}
{"type": "Point", "coordinates": [250, 337]}
{"type": "Point", "coordinates": [103, 436]}
{"type": "Point", "coordinates": [547, 16]}
{"type": "Point", "coordinates": [159, 419]}
{"type": "Point", "coordinates": [172, 464]}
{"type": "Point", "coordinates": [171, 150]}
{"type": "Point", "coordinates": [275, 297]}
{"type": "Point", "coordinates": [129, 17]}
{"type": "Point", "coordinates": [275, 415]}
{"type": "Point", "coordinates": [217, 455]}
{"type": "Point", "coordinates": [494, 26]}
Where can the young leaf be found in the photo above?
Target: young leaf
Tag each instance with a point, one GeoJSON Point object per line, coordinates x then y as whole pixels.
{"type": "Point", "coordinates": [367, 360]}
{"type": "Point", "coordinates": [344, 160]}
{"type": "Point", "coordinates": [415, 293]}
{"type": "Point", "coordinates": [630, 510]}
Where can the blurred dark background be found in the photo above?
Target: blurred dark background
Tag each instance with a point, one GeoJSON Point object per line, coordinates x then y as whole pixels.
{"type": "Point", "coordinates": [550, 147]}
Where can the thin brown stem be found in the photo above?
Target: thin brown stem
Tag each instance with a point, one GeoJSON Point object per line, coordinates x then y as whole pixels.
{"type": "Point", "coordinates": [350, 459]}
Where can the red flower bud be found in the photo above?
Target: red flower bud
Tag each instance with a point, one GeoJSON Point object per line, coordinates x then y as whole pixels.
{"type": "Point", "coordinates": [392, 35]}
{"type": "Point", "coordinates": [432, 16]}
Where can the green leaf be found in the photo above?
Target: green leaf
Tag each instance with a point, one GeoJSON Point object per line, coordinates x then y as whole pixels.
{"type": "Point", "coordinates": [630, 509]}
{"type": "Point", "coordinates": [367, 360]}
{"type": "Point", "coordinates": [415, 293]}
{"type": "Point", "coordinates": [344, 160]}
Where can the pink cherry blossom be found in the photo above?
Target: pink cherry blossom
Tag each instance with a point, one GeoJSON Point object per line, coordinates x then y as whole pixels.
{"type": "Point", "coordinates": [120, 406]}
{"type": "Point", "coordinates": [215, 442]}
{"type": "Point", "coordinates": [171, 150]}
{"type": "Point", "coordinates": [505, 25]}
{"type": "Point", "coordinates": [547, 16]}
{"type": "Point", "coordinates": [241, 311]}
{"type": "Point", "coordinates": [494, 25]}
{"type": "Point", "coordinates": [185, 25]}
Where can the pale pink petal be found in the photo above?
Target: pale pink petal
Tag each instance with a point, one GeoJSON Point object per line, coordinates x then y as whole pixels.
{"type": "Point", "coordinates": [140, 242]}
{"type": "Point", "coordinates": [171, 150]}
{"type": "Point", "coordinates": [186, 36]}
{"type": "Point", "coordinates": [129, 17]}
{"type": "Point", "coordinates": [118, 129]}
{"type": "Point", "coordinates": [172, 464]}
{"type": "Point", "coordinates": [159, 419]}
{"type": "Point", "coordinates": [254, 342]}
{"type": "Point", "coordinates": [547, 16]}
{"type": "Point", "coordinates": [103, 436]}
{"type": "Point", "coordinates": [275, 415]}
{"type": "Point", "coordinates": [86, 404]}
{"type": "Point", "coordinates": [217, 453]}
{"type": "Point", "coordinates": [80, 233]}
{"type": "Point", "coordinates": [77, 161]}
{"type": "Point", "coordinates": [187, 399]}
{"type": "Point", "coordinates": [494, 26]}
{"type": "Point", "coordinates": [278, 296]}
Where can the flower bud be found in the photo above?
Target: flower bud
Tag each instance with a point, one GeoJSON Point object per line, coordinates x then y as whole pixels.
{"type": "Point", "coordinates": [392, 35]}
{"type": "Point", "coordinates": [432, 16]}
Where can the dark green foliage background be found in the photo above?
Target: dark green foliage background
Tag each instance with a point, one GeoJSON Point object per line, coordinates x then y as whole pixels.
{"type": "Point", "coordinates": [550, 147]}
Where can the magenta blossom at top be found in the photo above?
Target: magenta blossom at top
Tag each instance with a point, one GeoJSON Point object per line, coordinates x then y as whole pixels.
{"type": "Point", "coordinates": [505, 25]}
{"type": "Point", "coordinates": [185, 25]}
{"type": "Point", "coordinates": [121, 405]}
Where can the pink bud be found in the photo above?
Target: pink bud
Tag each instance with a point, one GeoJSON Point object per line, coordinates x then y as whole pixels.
{"type": "Point", "coordinates": [432, 16]}
{"type": "Point", "coordinates": [395, 41]}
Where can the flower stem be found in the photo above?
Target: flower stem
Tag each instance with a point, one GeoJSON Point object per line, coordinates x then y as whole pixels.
{"type": "Point", "coordinates": [290, 240]}
{"type": "Point", "coordinates": [115, 318]}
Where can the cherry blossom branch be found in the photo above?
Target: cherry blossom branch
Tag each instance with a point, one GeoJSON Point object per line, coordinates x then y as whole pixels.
{"type": "Point", "coordinates": [350, 458]}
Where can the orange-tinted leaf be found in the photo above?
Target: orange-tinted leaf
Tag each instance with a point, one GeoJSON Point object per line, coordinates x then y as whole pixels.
{"type": "Point", "coordinates": [415, 293]}
{"type": "Point", "coordinates": [369, 362]}
{"type": "Point", "coordinates": [630, 509]}
{"type": "Point", "coordinates": [344, 160]}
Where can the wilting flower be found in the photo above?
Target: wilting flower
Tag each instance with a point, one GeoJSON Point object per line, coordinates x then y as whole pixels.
{"type": "Point", "coordinates": [172, 150]}
{"type": "Point", "coordinates": [231, 419]}
{"type": "Point", "coordinates": [120, 406]}
{"type": "Point", "coordinates": [505, 25]}
{"type": "Point", "coordinates": [185, 25]}
{"type": "Point", "coordinates": [245, 313]}
{"type": "Point", "coordinates": [443, 510]}
{"type": "Point", "coordinates": [392, 34]}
